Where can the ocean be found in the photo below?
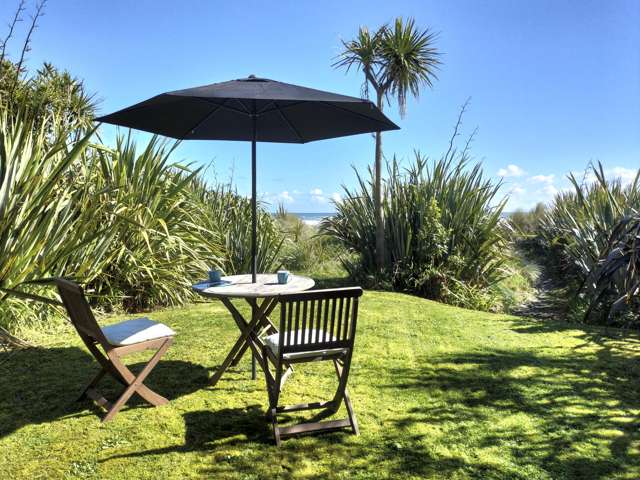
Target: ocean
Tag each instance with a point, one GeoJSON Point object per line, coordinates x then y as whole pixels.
{"type": "Point", "coordinates": [312, 218]}
{"type": "Point", "coordinates": [315, 218]}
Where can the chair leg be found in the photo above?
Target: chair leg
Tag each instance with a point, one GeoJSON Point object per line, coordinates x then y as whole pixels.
{"type": "Point", "coordinates": [136, 383]}
{"type": "Point", "coordinates": [273, 391]}
{"type": "Point", "coordinates": [276, 429]}
{"type": "Point", "coordinates": [329, 407]}
{"type": "Point", "coordinates": [92, 384]}
{"type": "Point", "coordinates": [343, 394]}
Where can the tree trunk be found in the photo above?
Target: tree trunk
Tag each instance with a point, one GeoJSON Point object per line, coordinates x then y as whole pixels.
{"type": "Point", "coordinates": [377, 195]}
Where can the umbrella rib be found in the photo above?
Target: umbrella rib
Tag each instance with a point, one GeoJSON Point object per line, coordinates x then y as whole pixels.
{"type": "Point", "coordinates": [226, 107]}
{"type": "Point", "coordinates": [244, 107]}
{"type": "Point", "coordinates": [293, 104]}
{"type": "Point", "coordinates": [204, 119]}
{"type": "Point", "coordinates": [289, 124]}
{"type": "Point", "coordinates": [361, 115]}
{"type": "Point", "coordinates": [264, 109]}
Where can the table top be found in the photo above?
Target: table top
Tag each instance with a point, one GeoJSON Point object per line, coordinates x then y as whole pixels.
{"type": "Point", "coordinates": [240, 286]}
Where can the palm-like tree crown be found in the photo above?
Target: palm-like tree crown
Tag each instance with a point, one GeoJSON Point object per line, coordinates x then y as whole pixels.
{"type": "Point", "coordinates": [396, 60]}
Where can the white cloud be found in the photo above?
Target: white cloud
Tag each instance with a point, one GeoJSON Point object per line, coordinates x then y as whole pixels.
{"type": "Point", "coordinates": [511, 171]}
{"type": "Point", "coordinates": [273, 198]}
{"type": "Point", "coordinates": [626, 175]}
{"type": "Point", "coordinates": [550, 191]}
{"type": "Point", "coordinates": [285, 197]}
{"type": "Point", "coordinates": [317, 196]}
{"type": "Point", "coordinates": [543, 178]}
{"type": "Point", "coordinates": [518, 190]}
{"type": "Point", "coordinates": [336, 197]}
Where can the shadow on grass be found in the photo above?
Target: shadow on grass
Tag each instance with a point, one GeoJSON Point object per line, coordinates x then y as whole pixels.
{"type": "Point", "coordinates": [239, 441]}
{"type": "Point", "coordinates": [573, 416]}
{"type": "Point", "coordinates": [205, 429]}
{"type": "Point", "coordinates": [43, 384]}
{"type": "Point", "coordinates": [336, 282]}
{"type": "Point", "coordinates": [551, 413]}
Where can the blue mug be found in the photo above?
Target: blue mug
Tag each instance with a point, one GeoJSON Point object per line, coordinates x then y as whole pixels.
{"type": "Point", "coordinates": [215, 276]}
{"type": "Point", "coordinates": [283, 277]}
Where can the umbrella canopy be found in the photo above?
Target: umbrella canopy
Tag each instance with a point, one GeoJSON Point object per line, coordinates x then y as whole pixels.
{"type": "Point", "coordinates": [279, 111]}
{"type": "Point", "coordinates": [256, 110]}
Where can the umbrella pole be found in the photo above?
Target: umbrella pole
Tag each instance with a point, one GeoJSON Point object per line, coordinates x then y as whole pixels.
{"type": "Point", "coordinates": [254, 229]}
{"type": "Point", "coordinates": [254, 233]}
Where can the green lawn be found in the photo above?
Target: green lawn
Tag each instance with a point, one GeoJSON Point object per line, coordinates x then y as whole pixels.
{"type": "Point", "coordinates": [440, 392]}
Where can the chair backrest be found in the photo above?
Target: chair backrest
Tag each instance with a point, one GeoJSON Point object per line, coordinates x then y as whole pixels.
{"type": "Point", "coordinates": [318, 320]}
{"type": "Point", "coordinates": [79, 310]}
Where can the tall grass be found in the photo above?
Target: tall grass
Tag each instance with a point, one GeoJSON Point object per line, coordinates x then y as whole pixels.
{"type": "Point", "coordinates": [226, 214]}
{"type": "Point", "coordinates": [582, 228]}
{"type": "Point", "coordinates": [159, 245]}
{"type": "Point", "coordinates": [134, 227]}
{"type": "Point", "coordinates": [42, 226]}
{"type": "Point", "coordinates": [306, 250]}
{"type": "Point", "coordinates": [442, 229]}
{"type": "Point", "coordinates": [577, 226]}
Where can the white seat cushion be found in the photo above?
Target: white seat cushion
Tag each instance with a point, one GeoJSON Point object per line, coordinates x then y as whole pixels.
{"type": "Point", "coordinates": [273, 340]}
{"type": "Point", "coordinates": [135, 331]}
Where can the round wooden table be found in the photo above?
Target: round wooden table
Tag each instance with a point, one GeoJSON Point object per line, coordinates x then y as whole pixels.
{"type": "Point", "coordinates": [266, 288]}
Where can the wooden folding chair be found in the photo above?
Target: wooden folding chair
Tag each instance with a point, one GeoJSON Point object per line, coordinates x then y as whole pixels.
{"type": "Point", "coordinates": [314, 326]}
{"type": "Point", "coordinates": [116, 341]}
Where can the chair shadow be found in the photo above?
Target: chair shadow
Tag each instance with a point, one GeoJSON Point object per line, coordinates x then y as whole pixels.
{"type": "Point", "coordinates": [43, 384]}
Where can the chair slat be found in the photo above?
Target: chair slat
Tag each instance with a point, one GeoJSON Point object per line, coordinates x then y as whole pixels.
{"type": "Point", "coordinates": [318, 320]}
{"type": "Point", "coordinates": [339, 319]}
{"type": "Point", "coordinates": [347, 319]}
{"type": "Point", "coordinates": [334, 304]}
{"type": "Point", "coordinates": [304, 321]}
{"type": "Point", "coordinates": [311, 316]}
{"type": "Point", "coordinates": [288, 330]}
{"type": "Point", "coordinates": [327, 306]}
{"type": "Point", "coordinates": [296, 340]}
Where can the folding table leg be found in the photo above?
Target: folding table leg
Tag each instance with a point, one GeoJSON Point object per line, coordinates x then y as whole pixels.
{"type": "Point", "coordinates": [230, 359]}
{"type": "Point", "coordinates": [241, 344]}
{"type": "Point", "coordinates": [266, 307]}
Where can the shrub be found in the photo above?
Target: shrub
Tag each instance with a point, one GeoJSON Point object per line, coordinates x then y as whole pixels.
{"type": "Point", "coordinates": [225, 213]}
{"type": "Point", "coordinates": [442, 230]}
{"type": "Point", "coordinates": [132, 226]}
{"type": "Point", "coordinates": [577, 226]}
{"type": "Point", "coordinates": [159, 245]}
{"type": "Point", "coordinates": [584, 231]}
{"type": "Point", "coordinates": [527, 224]}
{"type": "Point", "coordinates": [614, 284]}
{"type": "Point", "coordinates": [47, 212]}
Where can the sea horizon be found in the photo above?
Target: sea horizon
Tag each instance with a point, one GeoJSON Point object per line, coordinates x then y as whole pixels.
{"type": "Point", "coordinates": [314, 218]}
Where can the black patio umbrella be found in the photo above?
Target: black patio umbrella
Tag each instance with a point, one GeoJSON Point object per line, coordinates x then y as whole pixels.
{"type": "Point", "coordinates": [256, 110]}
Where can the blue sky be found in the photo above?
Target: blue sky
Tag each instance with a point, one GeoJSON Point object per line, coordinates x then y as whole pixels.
{"type": "Point", "coordinates": [554, 84]}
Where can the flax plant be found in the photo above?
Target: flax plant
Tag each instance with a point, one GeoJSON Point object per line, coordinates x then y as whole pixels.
{"type": "Point", "coordinates": [48, 211]}
{"type": "Point", "coordinates": [442, 232]}
{"type": "Point", "coordinates": [160, 246]}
